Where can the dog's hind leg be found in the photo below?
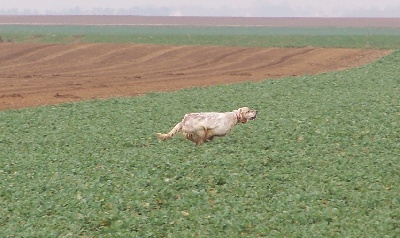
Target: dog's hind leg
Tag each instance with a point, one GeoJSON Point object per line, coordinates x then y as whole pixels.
{"type": "Point", "coordinates": [201, 136]}
{"type": "Point", "coordinates": [170, 134]}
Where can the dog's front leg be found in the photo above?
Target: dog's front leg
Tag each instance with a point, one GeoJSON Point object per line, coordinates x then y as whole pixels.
{"type": "Point", "coordinates": [209, 135]}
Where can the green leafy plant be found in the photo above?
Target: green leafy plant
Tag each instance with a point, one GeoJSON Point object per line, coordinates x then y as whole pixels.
{"type": "Point", "coordinates": [321, 159]}
{"type": "Point", "coordinates": [387, 38]}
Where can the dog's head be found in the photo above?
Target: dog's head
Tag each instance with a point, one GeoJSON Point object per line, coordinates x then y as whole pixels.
{"type": "Point", "coordinates": [245, 114]}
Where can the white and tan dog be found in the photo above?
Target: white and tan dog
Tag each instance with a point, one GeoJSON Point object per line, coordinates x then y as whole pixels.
{"type": "Point", "coordinates": [203, 126]}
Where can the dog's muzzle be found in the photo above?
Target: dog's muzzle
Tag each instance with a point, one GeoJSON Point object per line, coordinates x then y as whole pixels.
{"type": "Point", "coordinates": [254, 117]}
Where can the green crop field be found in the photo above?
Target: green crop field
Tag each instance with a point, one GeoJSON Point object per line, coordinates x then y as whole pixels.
{"type": "Point", "coordinates": [321, 160]}
{"type": "Point", "coordinates": [388, 38]}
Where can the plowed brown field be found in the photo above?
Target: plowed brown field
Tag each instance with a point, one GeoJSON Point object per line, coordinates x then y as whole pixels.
{"type": "Point", "coordinates": [39, 74]}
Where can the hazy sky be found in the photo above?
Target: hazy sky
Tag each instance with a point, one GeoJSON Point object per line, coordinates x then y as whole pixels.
{"type": "Point", "coordinates": [273, 8]}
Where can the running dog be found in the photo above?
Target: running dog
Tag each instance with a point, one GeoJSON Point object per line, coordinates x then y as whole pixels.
{"type": "Point", "coordinates": [204, 126]}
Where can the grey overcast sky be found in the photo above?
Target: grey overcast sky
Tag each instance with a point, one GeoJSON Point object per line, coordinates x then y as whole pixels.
{"type": "Point", "coordinates": [258, 8]}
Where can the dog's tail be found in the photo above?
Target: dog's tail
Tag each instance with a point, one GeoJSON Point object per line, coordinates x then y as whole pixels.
{"type": "Point", "coordinates": [170, 134]}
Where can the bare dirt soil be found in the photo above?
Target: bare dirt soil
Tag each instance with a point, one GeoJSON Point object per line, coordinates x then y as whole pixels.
{"type": "Point", "coordinates": [40, 74]}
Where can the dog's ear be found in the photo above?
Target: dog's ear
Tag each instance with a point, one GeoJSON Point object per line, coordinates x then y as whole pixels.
{"type": "Point", "coordinates": [243, 111]}
{"type": "Point", "coordinates": [242, 115]}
